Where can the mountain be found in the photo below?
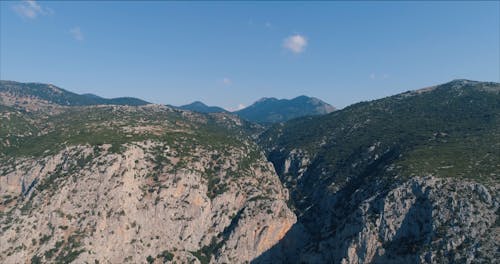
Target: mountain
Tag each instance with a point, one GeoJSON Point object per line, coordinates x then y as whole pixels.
{"type": "Point", "coordinates": [35, 95]}
{"type": "Point", "coordinates": [412, 178]}
{"type": "Point", "coordinates": [202, 108]}
{"type": "Point", "coordinates": [146, 184]}
{"type": "Point", "coordinates": [92, 96]}
{"type": "Point", "coordinates": [272, 110]}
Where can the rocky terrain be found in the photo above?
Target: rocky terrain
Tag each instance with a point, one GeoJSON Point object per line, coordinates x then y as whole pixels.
{"type": "Point", "coordinates": [122, 184]}
{"type": "Point", "coordinates": [411, 178]}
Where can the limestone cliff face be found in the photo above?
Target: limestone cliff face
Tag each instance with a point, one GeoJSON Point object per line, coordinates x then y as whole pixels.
{"type": "Point", "coordinates": [418, 220]}
{"type": "Point", "coordinates": [147, 203]}
{"type": "Point", "coordinates": [424, 220]}
{"type": "Point", "coordinates": [133, 184]}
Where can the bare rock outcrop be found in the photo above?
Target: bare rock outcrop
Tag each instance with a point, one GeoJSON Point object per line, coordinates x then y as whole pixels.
{"type": "Point", "coordinates": [147, 203]}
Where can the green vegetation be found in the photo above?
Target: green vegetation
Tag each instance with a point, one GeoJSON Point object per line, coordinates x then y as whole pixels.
{"type": "Point", "coordinates": [36, 259]}
{"type": "Point", "coordinates": [206, 252]}
{"type": "Point", "coordinates": [475, 156]}
{"type": "Point", "coordinates": [70, 251]}
{"type": "Point", "coordinates": [272, 110]}
{"type": "Point", "coordinates": [60, 96]}
{"type": "Point", "coordinates": [202, 108]}
{"type": "Point", "coordinates": [166, 256]}
{"type": "Point", "coordinates": [47, 134]}
{"type": "Point", "coordinates": [449, 131]}
{"type": "Point", "coordinates": [44, 239]}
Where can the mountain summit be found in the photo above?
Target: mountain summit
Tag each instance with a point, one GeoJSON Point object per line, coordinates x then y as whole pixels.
{"type": "Point", "coordinates": [272, 110]}
{"type": "Point", "coordinates": [269, 109]}
{"type": "Point", "coordinates": [200, 107]}
{"type": "Point", "coordinates": [35, 95]}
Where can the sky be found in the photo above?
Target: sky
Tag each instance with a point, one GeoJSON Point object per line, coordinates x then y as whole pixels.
{"type": "Point", "coordinates": [231, 54]}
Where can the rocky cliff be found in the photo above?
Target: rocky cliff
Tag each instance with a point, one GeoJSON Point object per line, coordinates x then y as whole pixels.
{"type": "Point", "coordinates": [412, 178]}
{"type": "Point", "coordinates": [171, 185]}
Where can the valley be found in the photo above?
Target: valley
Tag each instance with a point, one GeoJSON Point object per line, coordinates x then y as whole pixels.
{"type": "Point", "coordinates": [410, 178]}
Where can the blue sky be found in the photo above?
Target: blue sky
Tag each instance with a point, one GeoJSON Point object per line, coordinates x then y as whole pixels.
{"type": "Point", "coordinates": [231, 54]}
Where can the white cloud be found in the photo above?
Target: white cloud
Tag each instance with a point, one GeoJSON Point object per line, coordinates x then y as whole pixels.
{"type": "Point", "coordinates": [31, 9]}
{"type": "Point", "coordinates": [295, 43]}
{"type": "Point", "coordinates": [77, 34]}
{"type": "Point", "coordinates": [374, 76]}
{"type": "Point", "coordinates": [226, 81]}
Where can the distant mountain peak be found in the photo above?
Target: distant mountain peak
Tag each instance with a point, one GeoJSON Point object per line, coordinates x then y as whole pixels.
{"type": "Point", "coordinates": [303, 97]}
{"type": "Point", "coordinates": [51, 94]}
{"type": "Point", "coordinates": [457, 83]}
{"type": "Point", "coordinates": [198, 106]}
{"type": "Point", "coordinates": [266, 99]}
{"type": "Point", "coordinates": [463, 81]}
{"type": "Point", "coordinates": [198, 103]}
{"type": "Point", "coordinates": [463, 84]}
{"type": "Point", "coordinates": [272, 110]}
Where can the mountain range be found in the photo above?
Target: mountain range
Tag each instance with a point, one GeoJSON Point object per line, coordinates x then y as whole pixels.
{"type": "Point", "coordinates": [265, 110]}
{"type": "Point", "coordinates": [410, 178]}
{"type": "Point", "coordinates": [271, 110]}
{"type": "Point", "coordinates": [25, 93]}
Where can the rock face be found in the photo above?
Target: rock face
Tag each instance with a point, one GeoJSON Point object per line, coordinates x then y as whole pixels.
{"type": "Point", "coordinates": [398, 180]}
{"type": "Point", "coordinates": [423, 220]}
{"type": "Point", "coordinates": [161, 192]}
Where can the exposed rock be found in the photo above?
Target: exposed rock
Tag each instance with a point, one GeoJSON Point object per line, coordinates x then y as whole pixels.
{"type": "Point", "coordinates": [91, 204]}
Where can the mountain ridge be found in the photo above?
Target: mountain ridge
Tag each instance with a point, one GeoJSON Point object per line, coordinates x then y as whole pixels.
{"type": "Point", "coordinates": [268, 110]}
{"type": "Point", "coordinates": [52, 94]}
{"type": "Point", "coordinates": [201, 107]}
{"type": "Point", "coordinates": [265, 110]}
{"type": "Point", "coordinates": [272, 110]}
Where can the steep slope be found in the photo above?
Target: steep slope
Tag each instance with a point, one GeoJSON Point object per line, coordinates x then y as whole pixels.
{"type": "Point", "coordinates": [38, 95]}
{"type": "Point", "coordinates": [202, 108]}
{"type": "Point", "coordinates": [122, 184]}
{"type": "Point", "coordinates": [272, 110]}
{"type": "Point", "coordinates": [412, 178]}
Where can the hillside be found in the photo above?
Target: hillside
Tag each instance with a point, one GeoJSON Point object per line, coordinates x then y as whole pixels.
{"type": "Point", "coordinates": [126, 184]}
{"type": "Point", "coordinates": [272, 110]}
{"type": "Point", "coordinates": [36, 95]}
{"type": "Point", "coordinates": [411, 178]}
{"type": "Point", "coordinates": [202, 108]}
